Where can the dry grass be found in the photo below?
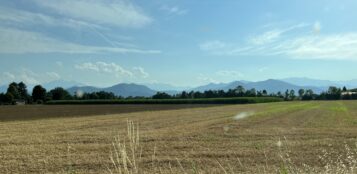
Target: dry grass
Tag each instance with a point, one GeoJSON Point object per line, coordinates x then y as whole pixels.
{"type": "Point", "coordinates": [292, 137]}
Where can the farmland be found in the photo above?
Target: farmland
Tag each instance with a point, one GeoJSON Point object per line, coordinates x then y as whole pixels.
{"type": "Point", "coordinates": [269, 138]}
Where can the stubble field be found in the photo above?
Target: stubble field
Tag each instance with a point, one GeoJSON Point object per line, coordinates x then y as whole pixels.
{"type": "Point", "coordinates": [284, 137]}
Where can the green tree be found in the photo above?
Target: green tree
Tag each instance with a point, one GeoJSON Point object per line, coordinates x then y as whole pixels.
{"type": "Point", "coordinates": [309, 95]}
{"type": "Point", "coordinates": [239, 91]}
{"type": "Point", "coordinates": [13, 89]}
{"type": "Point", "coordinates": [301, 93]}
{"type": "Point", "coordinates": [344, 89]}
{"type": "Point", "coordinates": [333, 93]}
{"type": "Point", "coordinates": [251, 93]}
{"type": "Point", "coordinates": [38, 93]}
{"type": "Point", "coordinates": [184, 94]}
{"type": "Point", "coordinates": [265, 93]}
{"type": "Point", "coordinates": [161, 95]}
{"type": "Point", "coordinates": [292, 94]}
{"type": "Point", "coordinates": [22, 89]}
{"type": "Point", "coordinates": [286, 96]}
{"type": "Point", "coordinates": [9, 98]}
{"type": "Point", "coordinates": [60, 94]}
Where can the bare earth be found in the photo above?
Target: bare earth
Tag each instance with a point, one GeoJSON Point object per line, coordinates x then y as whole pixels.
{"type": "Point", "coordinates": [179, 140]}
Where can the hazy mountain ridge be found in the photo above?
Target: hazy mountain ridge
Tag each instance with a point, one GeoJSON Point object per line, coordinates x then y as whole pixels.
{"type": "Point", "coordinates": [271, 85]}
{"type": "Point", "coordinates": [303, 81]}
{"type": "Point", "coordinates": [122, 89]}
{"type": "Point", "coordinates": [132, 89]}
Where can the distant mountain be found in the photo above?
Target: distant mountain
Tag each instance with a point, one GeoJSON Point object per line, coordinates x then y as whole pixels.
{"type": "Point", "coordinates": [210, 86]}
{"type": "Point", "coordinates": [164, 87]}
{"type": "Point", "coordinates": [86, 89]}
{"type": "Point", "coordinates": [274, 86]}
{"type": "Point", "coordinates": [234, 84]}
{"type": "Point", "coordinates": [125, 90]}
{"type": "Point", "coordinates": [122, 89]}
{"type": "Point", "coordinates": [303, 81]}
{"type": "Point", "coordinates": [61, 83]}
{"type": "Point", "coordinates": [271, 85]}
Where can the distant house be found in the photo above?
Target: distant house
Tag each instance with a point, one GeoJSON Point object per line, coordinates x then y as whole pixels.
{"type": "Point", "coordinates": [348, 93]}
{"type": "Point", "coordinates": [20, 102]}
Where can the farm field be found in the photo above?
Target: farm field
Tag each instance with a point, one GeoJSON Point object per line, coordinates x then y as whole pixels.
{"type": "Point", "coordinates": [283, 137]}
{"type": "Point", "coordinates": [31, 112]}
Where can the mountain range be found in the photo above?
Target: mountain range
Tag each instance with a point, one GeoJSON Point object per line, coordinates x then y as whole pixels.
{"type": "Point", "coordinates": [121, 89]}
{"type": "Point", "coordinates": [147, 90]}
{"type": "Point", "coordinates": [271, 85]}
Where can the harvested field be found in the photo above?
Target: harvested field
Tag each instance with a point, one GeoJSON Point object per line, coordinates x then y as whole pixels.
{"type": "Point", "coordinates": [274, 137]}
{"type": "Point", "coordinates": [30, 112]}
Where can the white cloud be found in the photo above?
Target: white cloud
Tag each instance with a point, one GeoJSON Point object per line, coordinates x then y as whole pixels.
{"type": "Point", "coordinates": [174, 10]}
{"type": "Point", "coordinates": [213, 45]}
{"type": "Point", "coordinates": [53, 75]}
{"type": "Point", "coordinates": [103, 67]}
{"type": "Point", "coordinates": [292, 44]}
{"type": "Point", "coordinates": [20, 17]}
{"type": "Point", "coordinates": [140, 72]}
{"type": "Point", "coordinates": [267, 37]}
{"type": "Point", "coordinates": [19, 41]}
{"type": "Point", "coordinates": [28, 77]}
{"type": "Point", "coordinates": [120, 13]}
{"type": "Point", "coordinates": [206, 79]}
{"type": "Point", "coordinates": [273, 35]}
{"type": "Point", "coordinates": [227, 73]}
{"type": "Point", "coordinates": [337, 46]}
{"type": "Point", "coordinates": [8, 75]}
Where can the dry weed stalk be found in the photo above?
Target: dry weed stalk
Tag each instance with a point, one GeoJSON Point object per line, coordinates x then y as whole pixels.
{"type": "Point", "coordinates": [126, 157]}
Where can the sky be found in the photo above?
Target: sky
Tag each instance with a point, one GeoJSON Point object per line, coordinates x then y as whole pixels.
{"type": "Point", "coordinates": [178, 42]}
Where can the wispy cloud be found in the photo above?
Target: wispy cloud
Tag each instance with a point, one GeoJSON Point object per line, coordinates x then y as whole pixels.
{"type": "Point", "coordinates": [206, 79]}
{"type": "Point", "coordinates": [173, 10]}
{"type": "Point", "coordinates": [103, 67]}
{"type": "Point", "coordinates": [288, 42]}
{"type": "Point", "coordinates": [140, 72]}
{"type": "Point", "coordinates": [20, 41]}
{"type": "Point", "coordinates": [227, 73]}
{"type": "Point", "coordinates": [14, 17]}
{"type": "Point", "coordinates": [114, 69]}
{"type": "Point", "coordinates": [120, 13]}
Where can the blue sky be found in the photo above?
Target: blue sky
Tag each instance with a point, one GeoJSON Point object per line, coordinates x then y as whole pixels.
{"type": "Point", "coordinates": [179, 42]}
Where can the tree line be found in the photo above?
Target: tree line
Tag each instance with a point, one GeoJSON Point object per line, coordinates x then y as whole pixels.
{"type": "Point", "coordinates": [333, 93]}
{"type": "Point", "coordinates": [18, 92]}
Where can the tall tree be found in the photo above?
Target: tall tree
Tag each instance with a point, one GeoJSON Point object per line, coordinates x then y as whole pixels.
{"type": "Point", "coordinates": [38, 93]}
{"type": "Point", "coordinates": [286, 96]}
{"type": "Point", "coordinates": [301, 93]}
{"type": "Point", "coordinates": [333, 93]}
{"type": "Point", "coordinates": [13, 89]}
{"type": "Point", "coordinates": [292, 94]}
{"type": "Point", "coordinates": [22, 89]}
{"type": "Point", "coordinates": [240, 91]}
{"type": "Point", "coordinates": [265, 93]}
{"type": "Point", "coordinates": [344, 89]}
